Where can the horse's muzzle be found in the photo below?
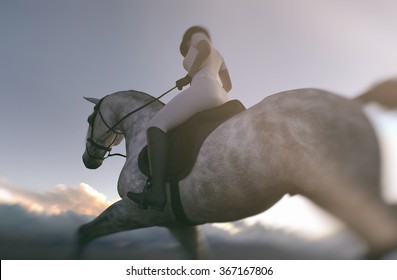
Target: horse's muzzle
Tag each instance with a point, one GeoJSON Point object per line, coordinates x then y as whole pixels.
{"type": "Point", "coordinates": [91, 163]}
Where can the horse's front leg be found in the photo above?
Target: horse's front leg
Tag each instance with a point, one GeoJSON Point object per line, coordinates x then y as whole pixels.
{"type": "Point", "coordinates": [121, 216]}
{"type": "Point", "coordinates": [192, 240]}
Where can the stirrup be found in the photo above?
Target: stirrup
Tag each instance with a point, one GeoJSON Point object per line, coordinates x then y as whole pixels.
{"type": "Point", "coordinates": [141, 200]}
{"type": "Point", "coordinates": [141, 196]}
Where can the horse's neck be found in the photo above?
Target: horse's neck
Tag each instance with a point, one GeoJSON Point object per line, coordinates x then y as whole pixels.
{"type": "Point", "coordinates": [134, 130]}
{"type": "Point", "coordinates": [134, 127]}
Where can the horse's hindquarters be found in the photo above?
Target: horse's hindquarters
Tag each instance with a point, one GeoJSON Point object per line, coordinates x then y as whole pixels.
{"type": "Point", "coordinates": [305, 141]}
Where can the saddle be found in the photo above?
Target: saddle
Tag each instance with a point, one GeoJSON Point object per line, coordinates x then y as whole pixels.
{"type": "Point", "coordinates": [184, 143]}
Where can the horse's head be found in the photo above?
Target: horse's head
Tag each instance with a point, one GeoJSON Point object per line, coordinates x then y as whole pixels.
{"type": "Point", "coordinates": [102, 134]}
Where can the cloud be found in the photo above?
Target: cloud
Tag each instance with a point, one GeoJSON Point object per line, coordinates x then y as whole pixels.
{"type": "Point", "coordinates": [30, 235]}
{"type": "Point", "coordinates": [43, 225]}
{"type": "Point", "coordinates": [82, 199]}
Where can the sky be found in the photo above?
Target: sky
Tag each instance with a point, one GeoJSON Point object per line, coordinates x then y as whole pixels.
{"type": "Point", "coordinates": [52, 53]}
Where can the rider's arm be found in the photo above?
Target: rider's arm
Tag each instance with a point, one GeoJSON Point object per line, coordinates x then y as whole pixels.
{"type": "Point", "coordinates": [225, 78]}
{"type": "Point", "coordinates": [204, 50]}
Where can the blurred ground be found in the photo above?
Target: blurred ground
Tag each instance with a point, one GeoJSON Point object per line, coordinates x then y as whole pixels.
{"type": "Point", "coordinates": [33, 236]}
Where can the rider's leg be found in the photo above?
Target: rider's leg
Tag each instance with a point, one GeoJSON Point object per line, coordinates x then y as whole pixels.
{"type": "Point", "coordinates": [157, 151]}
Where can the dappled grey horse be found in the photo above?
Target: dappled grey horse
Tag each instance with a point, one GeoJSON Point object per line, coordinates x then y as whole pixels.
{"type": "Point", "coordinates": [306, 141]}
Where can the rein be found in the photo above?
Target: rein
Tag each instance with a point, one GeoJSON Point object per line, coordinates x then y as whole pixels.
{"type": "Point", "coordinates": [112, 128]}
{"type": "Point", "coordinates": [140, 108]}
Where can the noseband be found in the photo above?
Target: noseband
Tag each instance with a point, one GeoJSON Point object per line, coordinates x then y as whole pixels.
{"type": "Point", "coordinates": [91, 121]}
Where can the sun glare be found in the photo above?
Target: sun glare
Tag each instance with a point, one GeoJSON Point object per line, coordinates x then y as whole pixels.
{"type": "Point", "coordinates": [5, 196]}
{"type": "Point", "coordinates": [385, 123]}
{"type": "Point", "coordinates": [298, 215]}
{"type": "Point", "coordinates": [389, 140]}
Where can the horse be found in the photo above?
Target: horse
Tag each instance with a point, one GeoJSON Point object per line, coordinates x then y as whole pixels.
{"type": "Point", "coordinates": [309, 142]}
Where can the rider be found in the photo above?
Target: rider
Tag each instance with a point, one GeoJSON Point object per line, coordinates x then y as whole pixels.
{"type": "Point", "coordinates": [203, 64]}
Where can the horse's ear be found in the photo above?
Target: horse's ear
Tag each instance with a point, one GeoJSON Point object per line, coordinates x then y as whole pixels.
{"type": "Point", "coordinates": [92, 100]}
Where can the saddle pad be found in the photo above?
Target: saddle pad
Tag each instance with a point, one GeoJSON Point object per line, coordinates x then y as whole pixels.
{"type": "Point", "coordinates": [184, 141]}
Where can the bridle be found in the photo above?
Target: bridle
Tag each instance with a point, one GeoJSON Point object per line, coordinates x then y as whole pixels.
{"type": "Point", "coordinates": [90, 139]}
{"type": "Point", "coordinates": [91, 121]}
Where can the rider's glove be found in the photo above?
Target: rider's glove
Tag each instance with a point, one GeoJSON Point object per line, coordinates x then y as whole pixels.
{"type": "Point", "coordinates": [183, 82]}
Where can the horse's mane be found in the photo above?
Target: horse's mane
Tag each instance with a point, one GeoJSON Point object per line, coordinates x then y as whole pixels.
{"type": "Point", "coordinates": [143, 95]}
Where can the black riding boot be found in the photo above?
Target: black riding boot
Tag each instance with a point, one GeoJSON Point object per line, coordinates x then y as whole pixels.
{"type": "Point", "coordinates": [157, 151]}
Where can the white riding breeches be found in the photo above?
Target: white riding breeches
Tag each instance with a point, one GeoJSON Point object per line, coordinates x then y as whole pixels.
{"type": "Point", "coordinates": [204, 93]}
